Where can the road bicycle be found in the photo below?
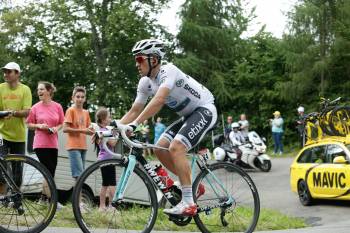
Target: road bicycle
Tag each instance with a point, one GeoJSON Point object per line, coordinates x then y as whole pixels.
{"type": "Point", "coordinates": [226, 196]}
{"type": "Point", "coordinates": [22, 180]}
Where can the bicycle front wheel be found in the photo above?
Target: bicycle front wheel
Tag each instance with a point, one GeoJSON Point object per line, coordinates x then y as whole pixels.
{"type": "Point", "coordinates": [227, 200]}
{"type": "Point", "coordinates": [136, 212]}
{"type": "Point", "coordinates": [30, 208]}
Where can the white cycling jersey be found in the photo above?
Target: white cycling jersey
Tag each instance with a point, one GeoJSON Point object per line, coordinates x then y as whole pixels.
{"type": "Point", "coordinates": [186, 94]}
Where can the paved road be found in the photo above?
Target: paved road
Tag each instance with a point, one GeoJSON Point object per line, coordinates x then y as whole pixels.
{"type": "Point", "coordinates": [274, 190]}
{"type": "Point", "coordinates": [275, 193]}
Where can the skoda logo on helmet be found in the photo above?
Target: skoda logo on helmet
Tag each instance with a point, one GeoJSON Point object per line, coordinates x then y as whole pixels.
{"type": "Point", "coordinates": [180, 83]}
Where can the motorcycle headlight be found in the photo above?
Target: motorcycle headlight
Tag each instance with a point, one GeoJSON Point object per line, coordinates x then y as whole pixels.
{"type": "Point", "coordinates": [261, 150]}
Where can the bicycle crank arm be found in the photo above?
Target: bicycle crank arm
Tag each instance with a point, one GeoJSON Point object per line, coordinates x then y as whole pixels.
{"type": "Point", "coordinates": [222, 218]}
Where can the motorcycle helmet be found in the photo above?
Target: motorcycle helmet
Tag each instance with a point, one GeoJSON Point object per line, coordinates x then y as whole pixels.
{"type": "Point", "coordinates": [235, 125]}
{"type": "Point", "coordinates": [301, 109]}
{"type": "Point", "coordinates": [219, 154]}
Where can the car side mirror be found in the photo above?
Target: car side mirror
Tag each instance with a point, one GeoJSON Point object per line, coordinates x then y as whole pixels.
{"type": "Point", "coordinates": [264, 139]}
{"type": "Point", "coordinates": [340, 160]}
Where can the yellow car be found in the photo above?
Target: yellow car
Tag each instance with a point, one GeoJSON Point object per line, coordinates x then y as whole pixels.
{"type": "Point", "coordinates": [322, 171]}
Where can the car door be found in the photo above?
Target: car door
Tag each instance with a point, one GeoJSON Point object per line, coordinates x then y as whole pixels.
{"type": "Point", "coordinates": [335, 178]}
{"type": "Point", "coordinates": [313, 175]}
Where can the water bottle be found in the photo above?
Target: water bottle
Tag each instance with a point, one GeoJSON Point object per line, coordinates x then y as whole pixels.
{"type": "Point", "coordinates": [164, 176]}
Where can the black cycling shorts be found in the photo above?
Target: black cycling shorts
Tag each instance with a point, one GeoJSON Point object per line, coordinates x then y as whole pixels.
{"type": "Point", "coordinates": [191, 129]}
{"type": "Point", "coordinates": [108, 175]}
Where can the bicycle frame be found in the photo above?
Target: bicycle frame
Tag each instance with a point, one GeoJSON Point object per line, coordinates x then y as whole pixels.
{"type": "Point", "coordinates": [135, 156]}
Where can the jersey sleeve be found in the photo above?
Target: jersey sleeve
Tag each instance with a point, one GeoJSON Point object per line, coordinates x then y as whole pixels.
{"type": "Point", "coordinates": [31, 117]}
{"type": "Point", "coordinates": [167, 77]}
{"type": "Point", "coordinates": [27, 97]}
{"type": "Point", "coordinates": [60, 114]}
{"type": "Point", "coordinates": [69, 116]}
{"type": "Point", "coordinates": [142, 91]}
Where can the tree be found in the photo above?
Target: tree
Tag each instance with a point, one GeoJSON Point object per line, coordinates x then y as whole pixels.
{"type": "Point", "coordinates": [211, 44]}
{"type": "Point", "coordinates": [77, 42]}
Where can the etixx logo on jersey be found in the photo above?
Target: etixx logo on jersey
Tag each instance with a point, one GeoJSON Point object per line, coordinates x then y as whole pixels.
{"type": "Point", "coordinates": [197, 128]}
{"type": "Point", "coordinates": [180, 83]}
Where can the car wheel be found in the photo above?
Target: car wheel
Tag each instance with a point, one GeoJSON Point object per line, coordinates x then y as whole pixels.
{"type": "Point", "coordinates": [304, 193]}
{"type": "Point", "coordinates": [87, 197]}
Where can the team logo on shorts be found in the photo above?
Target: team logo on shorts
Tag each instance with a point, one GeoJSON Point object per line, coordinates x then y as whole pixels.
{"type": "Point", "coordinates": [207, 112]}
{"type": "Point", "coordinates": [180, 83]}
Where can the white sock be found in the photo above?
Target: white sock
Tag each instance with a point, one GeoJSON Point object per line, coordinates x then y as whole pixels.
{"type": "Point", "coordinates": [187, 196]}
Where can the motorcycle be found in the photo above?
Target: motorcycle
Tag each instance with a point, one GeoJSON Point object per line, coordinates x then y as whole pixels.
{"type": "Point", "coordinates": [253, 152]}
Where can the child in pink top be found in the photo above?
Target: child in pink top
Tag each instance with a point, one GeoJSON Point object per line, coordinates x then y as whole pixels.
{"type": "Point", "coordinates": [103, 119]}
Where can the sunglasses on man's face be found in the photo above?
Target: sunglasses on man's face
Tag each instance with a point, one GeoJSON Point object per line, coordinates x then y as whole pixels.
{"type": "Point", "coordinates": [140, 59]}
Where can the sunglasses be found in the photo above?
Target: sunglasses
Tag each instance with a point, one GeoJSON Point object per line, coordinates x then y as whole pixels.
{"type": "Point", "coordinates": [140, 59]}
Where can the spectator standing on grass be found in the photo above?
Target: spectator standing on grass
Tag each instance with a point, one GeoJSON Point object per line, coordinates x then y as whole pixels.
{"type": "Point", "coordinates": [77, 126]}
{"type": "Point", "coordinates": [145, 135]}
{"type": "Point", "coordinates": [159, 128]}
{"type": "Point", "coordinates": [103, 119]}
{"type": "Point", "coordinates": [46, 118]}
{"type": "Point", "coordinates": [16, 98]}
{"type": "Point", "coordinates": [277, 132]}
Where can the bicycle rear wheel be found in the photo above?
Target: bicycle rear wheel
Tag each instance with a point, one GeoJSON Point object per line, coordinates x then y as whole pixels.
{"type": "Point", "coordinates": [340, 121]}
{"type": "Point", "coordinates": [226, 183]}
{"type": "Point", "coordinates": [136, 212]}
{"type": "Point", "coordinates": [24, 210]}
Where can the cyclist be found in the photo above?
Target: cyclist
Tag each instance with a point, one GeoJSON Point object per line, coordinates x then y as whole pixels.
{"type": "Point", "coordinates": [187, 97]}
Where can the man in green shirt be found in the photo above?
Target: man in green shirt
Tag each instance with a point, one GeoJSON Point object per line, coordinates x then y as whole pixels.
{"type": "Point", "coordinates": [17, 98]}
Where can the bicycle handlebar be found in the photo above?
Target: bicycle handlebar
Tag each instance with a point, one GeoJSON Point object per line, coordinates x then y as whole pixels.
{"type": "Point", "coordinates": [122, 129]}
{"type": "Point", "coordinates": [4, 113]}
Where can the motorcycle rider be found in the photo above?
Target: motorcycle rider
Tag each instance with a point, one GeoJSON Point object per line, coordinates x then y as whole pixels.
{"type": "Point", "coordinates": [237, 139]}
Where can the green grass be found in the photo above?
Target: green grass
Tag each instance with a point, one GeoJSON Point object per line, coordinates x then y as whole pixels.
{"type": "Point", "coordinates": [269, 220]}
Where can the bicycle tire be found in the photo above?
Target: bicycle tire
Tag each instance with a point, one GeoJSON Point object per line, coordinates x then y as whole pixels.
{"type": "Point", "coordinates": [211, 222]}
{"type": "Point", "coordinates": [33, 174]}
{"type": "Point", "coordinates": [86, 215]}
{"type": "Point", "coordinates": [340, 124]}
{"type": "Point", "coordinates": [324, 121]}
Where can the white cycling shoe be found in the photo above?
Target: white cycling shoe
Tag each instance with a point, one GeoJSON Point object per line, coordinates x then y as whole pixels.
{"type": "Point", "coordinates": [182, 209]}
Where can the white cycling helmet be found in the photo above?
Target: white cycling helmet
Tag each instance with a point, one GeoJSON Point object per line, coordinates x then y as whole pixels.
{"type": "Point", "coordinates": [149, 47]}
{"type": "Point", "coordinates": [219, 154]}
{"type": "Point", "coordinates": [301, 109]}
{"type": "Point", "coordinates": [234, 125]}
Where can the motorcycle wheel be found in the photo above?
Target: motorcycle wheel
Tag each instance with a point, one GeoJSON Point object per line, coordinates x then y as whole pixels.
{"type": "Point", "coordinates": [265, 166]}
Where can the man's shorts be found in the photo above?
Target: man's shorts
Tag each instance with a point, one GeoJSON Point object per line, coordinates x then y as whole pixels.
{"type": "Point", "coordinates": [191, 129]}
